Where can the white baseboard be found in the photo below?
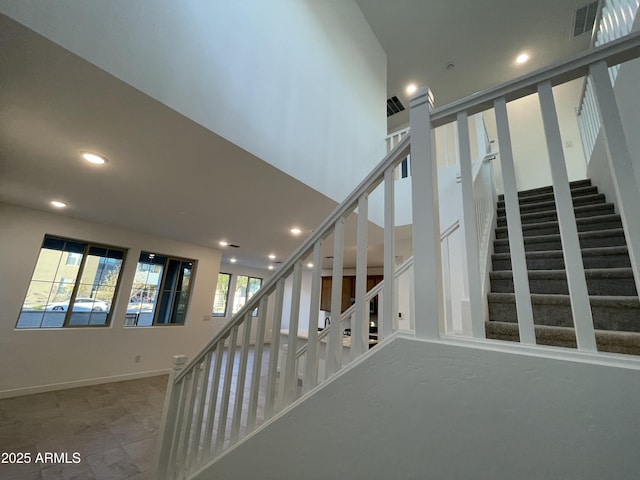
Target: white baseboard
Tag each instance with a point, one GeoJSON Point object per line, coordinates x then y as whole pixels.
{"type": "Point", "coordinates": [17, 392]}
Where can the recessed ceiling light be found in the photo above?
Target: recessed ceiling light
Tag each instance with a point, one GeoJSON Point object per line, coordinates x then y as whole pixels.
{"type": "Point", "coordinates": [232, 260]}
{"type": "Point", "coordinates": [223, 243]}
{"type": "Point", "coordinates": [411, 88]}
{"type": "Point", "coordinates": [310, 265]}
{"type": "Point", "coordinates": [271, 267]}
{"type": "Point", "coordinates": [295, 231]}
{"type": "Point", "coordinates": [522, 58]}
{"type": "Point", "coordinates": [58, 204]}
{"type": "Point", "coordinates": [272, 257]}
{"type": "Point", "coordinates": [93, 158]}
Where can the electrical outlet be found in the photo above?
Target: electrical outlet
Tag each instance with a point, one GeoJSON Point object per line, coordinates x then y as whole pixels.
{"type": "Point", "coordinates": [137, 359]}
{"type": "Point", "coordinates": [399, 314]}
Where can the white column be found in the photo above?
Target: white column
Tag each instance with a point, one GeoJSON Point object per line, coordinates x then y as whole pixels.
{"type": "Point", "coordinates": [427, 267]}
{"type": "Point", "coordinates": [168, 422]}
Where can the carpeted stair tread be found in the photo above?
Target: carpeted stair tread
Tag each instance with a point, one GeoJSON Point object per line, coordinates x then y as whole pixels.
{"type": "Point", "coordinates": [603, 238]}
{"type": "Point", "coordinates": [620, 313]}
{"type": "Point", "coordinates": [537, 191]}
{"type": "Point", "coordinates": [585, 224]}
{"type": "Point", "coordinates": [598, 257]}
{"type": "Point", "coordinates": [581, 211]}
{"type": "Point", "coordinates": [600, 281]}
{"type": "Point", "coordinates": [551, 204]}
{"type": "Point", "coordinates": [549, 196]}
{"type": "Point", "coordinates": [606, 340]}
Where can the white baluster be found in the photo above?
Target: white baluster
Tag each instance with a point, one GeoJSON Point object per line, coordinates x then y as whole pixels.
{"type": "Point", "coordinates": [360, 334]}
{"type": "Point", "coordinates": [241, 378]}
{"type": "Point", "coordinates": [213, 401]}
{"type": "Point", "coordinates": [625, 182]}
{"type": "Point", "coordinates": [514, 227]}
{"type": "Point", "coordinates": [291, 377]}
{"type": "Point", "coordinates": [427, 267]}
{"type": "Point", "coordinates": [270, 401]}
{"type": "Point", "coordinates": [311, 362]}
{"type": "Point", "coordinates": [334, 348]}
{"type": "Point", "coordinates": [226, 391]}
{"type": "Point", "coordinates": [470, 229]}
{"type": "Point", "coordinates": [257, 365]}
{"type": "Point", "coordinates": [204, 388]}
{"type": "Point", "coordinates": [578, 292]}
{"type": "Point", "coordinates": [389, 320]}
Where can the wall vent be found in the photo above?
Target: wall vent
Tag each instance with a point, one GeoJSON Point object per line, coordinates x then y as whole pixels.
{"type": "Point", "coordinates": [585, 18]}
{"type": "Point", "coordinates": [394, 105]}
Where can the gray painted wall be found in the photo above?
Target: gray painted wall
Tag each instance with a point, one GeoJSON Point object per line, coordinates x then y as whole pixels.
{"type": "Point", "coordinates": [417, 409]}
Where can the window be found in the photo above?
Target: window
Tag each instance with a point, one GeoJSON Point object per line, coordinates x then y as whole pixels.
{"type": "Point", "coordinates": [246, 287]}
{"type": "Point", "coordinates": [222, 295]}
{"type": "Point", "coordinates": [160, 291]}
{"type": "Point", "coordinates": [73, 285]}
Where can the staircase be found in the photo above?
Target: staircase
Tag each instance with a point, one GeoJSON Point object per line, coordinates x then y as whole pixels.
{"type": "Point", "coordinates": [612, 292]}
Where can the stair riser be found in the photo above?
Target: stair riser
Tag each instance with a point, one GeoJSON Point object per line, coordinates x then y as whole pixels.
{"type": "Point", "coordinates": [548, 197]}
{"type": "Point", "coordinates": [604, 317]}
{"type": "Point", "coordinates": [528, 207]}
{"type": "Point", "coordinates": [557, 263]}
{"type": "Point", "coordinates": [555, 229]}
{"type": "Point", "coordinates": [555, 244]}
{"type": "Point", "coordinates": [551, 215]}
{"type": "Point", "coordinates": [623, 286]}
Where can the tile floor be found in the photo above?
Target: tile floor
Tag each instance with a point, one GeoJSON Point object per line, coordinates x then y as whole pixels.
{"type": "Point", "coordinates": [112, 426]}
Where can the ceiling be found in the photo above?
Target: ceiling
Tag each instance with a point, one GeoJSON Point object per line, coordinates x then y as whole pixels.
{"type": "Point", "coordinates": [481, 39]}
{"type": "Point", "coordinates": [169, 176]}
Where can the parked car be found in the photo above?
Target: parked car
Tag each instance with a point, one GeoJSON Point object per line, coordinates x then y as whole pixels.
{"type": "Point", "coordinates": [80, 305]}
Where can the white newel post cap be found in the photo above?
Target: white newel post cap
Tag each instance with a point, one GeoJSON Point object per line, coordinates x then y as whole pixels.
{"type": "Point", "coordinates": [420, 96]}
{"type": "Point", "coordinates": [179, 362]}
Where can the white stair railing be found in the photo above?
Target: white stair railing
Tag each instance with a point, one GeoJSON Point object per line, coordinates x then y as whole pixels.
{"type": "Point", "coordinates": [230, 388]}
{"type": "Point", "coordinates": [207, 408]}
{"type": "Point", "coordinates": [616, 20]}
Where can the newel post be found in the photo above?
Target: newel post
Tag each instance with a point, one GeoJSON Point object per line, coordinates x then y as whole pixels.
{"type": "Point", "coordinates": [427, 260]}
{"type": "Point", "coordinates": [169, 414]}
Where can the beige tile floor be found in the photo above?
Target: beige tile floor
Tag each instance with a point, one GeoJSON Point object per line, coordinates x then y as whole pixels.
{"type": "Point", "coordinates": [113, 427]}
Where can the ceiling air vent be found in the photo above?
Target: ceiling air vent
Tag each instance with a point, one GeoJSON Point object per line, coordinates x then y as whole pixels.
{"type": "Point", "coordinates": [585, 19]}
{"type": "Point", "coordinates": [394, 105]}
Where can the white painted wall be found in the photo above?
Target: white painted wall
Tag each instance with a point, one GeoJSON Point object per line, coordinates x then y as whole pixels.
{"type": "Point", "coordinates": [415, 409]}
{"type": "Point", "coordinates": [300, 84]}
{"type": "Point", "coordinates": [530, 155]}
{"type": "Point", "coordinates": [39, 360]}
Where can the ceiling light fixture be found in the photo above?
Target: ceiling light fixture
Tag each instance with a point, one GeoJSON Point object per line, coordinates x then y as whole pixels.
{"type": "Point", "coordinates": [93, 158]}
{"type": "Point", "coordinates": [411, 88]}
{"type": "Point", "coordinates": [222, 243]}
{"type": "Point", "coordinates": [233, 260]}
{"type": "Point", "coordinates": [58, 204]}
{"type": "Point", "coordinates": [271, 267]}
{"type": "Point", "coordinates": [295, 231]}
{"type": "Point", "coordinates": [272, 256]}
{"type": "Point", "coordinates": [310, 265]}
{"type": "Point", "coordinates": [522, 58]}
